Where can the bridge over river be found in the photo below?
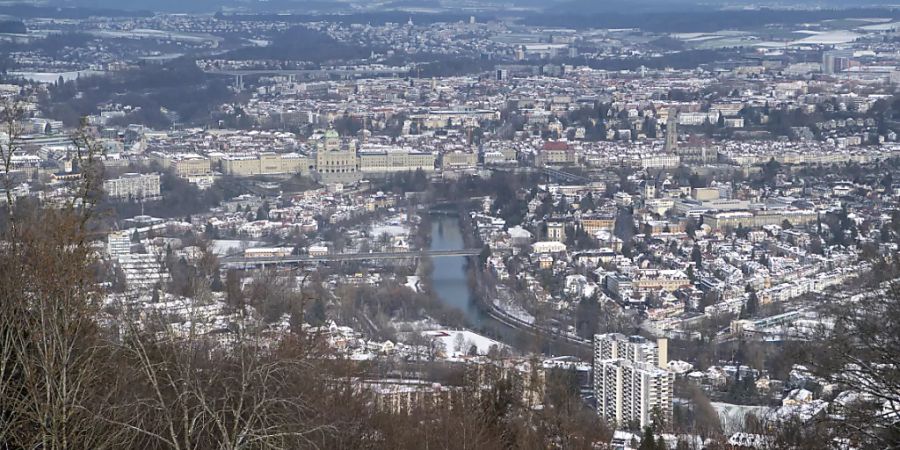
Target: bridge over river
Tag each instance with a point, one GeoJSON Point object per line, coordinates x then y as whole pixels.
{"type": "Point", "coordinates": [338, 257]}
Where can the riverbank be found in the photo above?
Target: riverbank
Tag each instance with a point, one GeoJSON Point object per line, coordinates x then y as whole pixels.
{"type": "Point", "coordinates": [462, 283]}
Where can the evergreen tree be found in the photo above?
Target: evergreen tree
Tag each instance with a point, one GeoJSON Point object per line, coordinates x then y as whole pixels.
{"type": "Point", "coordinates": [648, 441]}
{"type": "Point", "coordinates": [562, 207]}
{"type": "Point", "coordinates": [484, 255]}
{"type": "Point", "coordinates": [317, 312]}
{"type": "Point", "coordinates": [697, 256]}
{"type": "Point", "coordinates": [752, 302]}
{"type": "Point", "coordinates": [661, 443]}
{"type": "Point", "coordinates": [587, 203]}
{"type": "Point", "coordinates": [216, 284]}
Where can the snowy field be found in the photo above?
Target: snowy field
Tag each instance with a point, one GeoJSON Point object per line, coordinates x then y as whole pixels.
{"type": "Point", "coordinates": [732, 416]}
{"type": "Point", "coordinates": [457, 342]}
{"type": "Point", "coordinates": [224, 247]}
{"type": "Point", "coordinates": [391, 229]}
{"type": "Point", "coordinates": [412, 282]}
{"type": "Point", "coordinates": [514, 310]}
{"type": "Point", "coordinates": [395, 226]}
{"type": "Point", "coordinates": [827, 37]}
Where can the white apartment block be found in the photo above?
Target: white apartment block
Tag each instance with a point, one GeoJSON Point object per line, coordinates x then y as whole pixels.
{"type": "Point", "coordinates": [630, 392]}
{"type": "Point", "coordinates": [630, 379]}
{"type": "Point", "coordinates": [660, 162]}
{"type": "Point", "coordinates": [118, 243]}
{"type": "Point", "coordinates": [698, 118]}
{"type": "Point", "coordinates": [142, 271]}
{"type": "Point", "coordinates": [133, 185]}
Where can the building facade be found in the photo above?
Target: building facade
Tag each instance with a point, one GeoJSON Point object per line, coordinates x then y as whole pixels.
{"type": "Point", "coordinates": [672, 132]}
{"type": "Point", "coordinates": [185, 164]}
{"type": "Point", "coordinates": [631, 384]}
{"type": "Point", "coordinates": [133, 185]}
{"type": "Point", "coordinates": [757, 219]}
{"type": "Point", "coordinates": [265, 164]}
{"type": "Point", "coordinates": [459, 160]}
{"type": "Point", "coordinates": [390, 160]}
{"type": "Point", "coordinates": [556, 231]}
{"type": "Point", "coordinates": [556, 154]}
{"type": "Point", "coordinates": [336, 163]}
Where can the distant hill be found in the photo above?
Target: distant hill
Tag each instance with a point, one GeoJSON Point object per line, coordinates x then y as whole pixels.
{"type": "Point", "coordinates": [579, 7]}
{"type": "Point", "coordinates": [70, 11]}
{"type": "Point", "coordinates": [689, 20]}
{"type": "Point", "coordinates": [571, 8]}
{"type": "Point", "coordinates": [301, 43]}
{"type": "Point", "coordinates": [11, 25]}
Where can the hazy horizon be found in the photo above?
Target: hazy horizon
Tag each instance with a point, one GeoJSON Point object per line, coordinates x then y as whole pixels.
{"type": "Point", "coordinates": [347, 6]}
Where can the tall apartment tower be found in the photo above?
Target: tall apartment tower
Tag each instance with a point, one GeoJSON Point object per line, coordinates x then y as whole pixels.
{"type": "Point", "coordinates": [836, 61]}
{"type": "Point", "coordinates": [672, 131]}
{"type": "Point", "coordinates": [631, 382]}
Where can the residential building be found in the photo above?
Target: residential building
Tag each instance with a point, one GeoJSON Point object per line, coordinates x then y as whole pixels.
{"type": "Point", "coordinates": [142, 270]}
{"type": "Point", "coordinates": [133, 185]}
{"type": "Point", "coordinates": [556, 231]}
{"type": "Point", "coordinates": [118, 243]}
{"type": "Point", "coordinates": [631, 382]}
{"type": "Point", "coordinates": [459, 160]}
{"type": "Point", "coordinates": [556, 154]}
{"type": "Point", "coordinates": [595, 223]}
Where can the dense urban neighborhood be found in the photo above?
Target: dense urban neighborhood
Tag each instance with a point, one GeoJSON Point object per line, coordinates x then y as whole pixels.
{"type": "Point", "coordinates": [469, 226]}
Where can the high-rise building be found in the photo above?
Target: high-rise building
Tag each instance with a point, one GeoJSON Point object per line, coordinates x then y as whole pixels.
{"type": "Point", "coordinates": [142, 271]}
{"type": "Point", "coordinates": [836, 61]}
{"type": "Point", "coordinates": [631, 382]}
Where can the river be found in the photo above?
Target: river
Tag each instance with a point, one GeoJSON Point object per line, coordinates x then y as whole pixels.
{"type": "Point", "coordinates": [450, 282]}
{"type": "Point", "coordinates": [449, 278]}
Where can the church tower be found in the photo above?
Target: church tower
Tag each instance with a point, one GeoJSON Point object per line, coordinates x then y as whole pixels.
{"type": "Point", "coordinates": [672, 131]}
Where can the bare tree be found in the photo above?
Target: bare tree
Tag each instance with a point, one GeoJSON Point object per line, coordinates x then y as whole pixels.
{"type": "Point", "coordinates": [859, 352]}
{"type": "Point", "coordinates": [12, 114]}
{"type": "Point", "coordinates": [51, 371]}
{"type": "Point", "coordinates": [195, 392]}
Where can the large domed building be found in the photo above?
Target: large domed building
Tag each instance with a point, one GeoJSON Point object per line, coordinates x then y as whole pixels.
{"type": "Point", "coordinates": [336, 161]}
